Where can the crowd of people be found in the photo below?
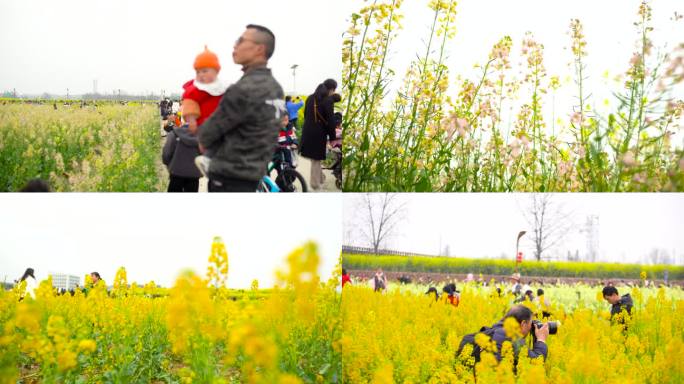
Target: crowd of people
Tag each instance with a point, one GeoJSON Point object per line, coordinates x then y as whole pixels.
{"type": "Point", "coordinates": [229, 134]}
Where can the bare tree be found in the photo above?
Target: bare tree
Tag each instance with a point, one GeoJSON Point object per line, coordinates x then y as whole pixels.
{"type": "Point", "coordinates": [659, 256]}
{"type": "Point", "coordinates": [381, 214]}
{"type": "Point", "coordinates": [549, 221]}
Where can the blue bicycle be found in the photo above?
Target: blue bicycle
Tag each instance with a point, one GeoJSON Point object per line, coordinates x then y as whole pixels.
{"type": "Point", "coordinates": [287, 178]}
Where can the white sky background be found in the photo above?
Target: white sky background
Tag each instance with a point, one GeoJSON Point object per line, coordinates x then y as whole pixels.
{"type": "Point", "coordinates": [156, 237]}
{"type": "Point", "coordinates": [147, 46]}
{"type": "Point", "coordinates": [608, 29]}
{"type": "Point", "coordinates": [486, 225]}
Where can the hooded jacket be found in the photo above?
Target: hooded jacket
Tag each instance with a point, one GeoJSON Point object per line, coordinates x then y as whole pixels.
{"type": "Point", "coordinates": [179, 153]}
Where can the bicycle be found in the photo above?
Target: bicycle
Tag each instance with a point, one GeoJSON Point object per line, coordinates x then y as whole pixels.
{"type": "Point", "coordinates": [266, 185]}
{"type": "Point", "coordinates": [287, 178]}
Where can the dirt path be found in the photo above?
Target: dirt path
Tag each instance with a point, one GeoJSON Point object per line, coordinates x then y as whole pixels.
{"type": "Point", "coordinates": [304, 167]}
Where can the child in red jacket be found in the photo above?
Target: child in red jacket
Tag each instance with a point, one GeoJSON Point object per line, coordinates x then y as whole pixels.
{"type": "Point", "coordinates": [201, 98]}
{"type": "Point", "coordinates": [203, 94]}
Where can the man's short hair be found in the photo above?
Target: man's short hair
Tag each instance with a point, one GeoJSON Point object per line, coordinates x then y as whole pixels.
{"type": "Point", "coordinates": [609, 291]}
{"type": "Point", "coordinates": [36, 185]}
{"type": "Point", "coordinates": [265, 37]}
{"type": "Point", "coordinates": [95, 274]}
{"type": "Point", "coordinates": [519, 313]}
{"type": "Point", "coordinates": [540, 292]}
{"type": "Point", "coordinates": [288, 98]}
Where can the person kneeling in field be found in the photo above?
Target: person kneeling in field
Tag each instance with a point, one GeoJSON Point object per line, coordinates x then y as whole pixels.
{"type": "Point", "coordinates": [513, 328]}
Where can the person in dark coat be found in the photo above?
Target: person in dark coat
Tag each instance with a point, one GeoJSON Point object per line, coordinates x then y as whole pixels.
{"type": "Point", "coordinates": [618, 304]}
{"type": "Point", "coordinates": [242, 133]}
{"type": "Point", "coordinates": [179, 154]}
{"type": "Point", "coordinates": [497, 333]}
{"type": "Point", "coordinates": [319, 127]}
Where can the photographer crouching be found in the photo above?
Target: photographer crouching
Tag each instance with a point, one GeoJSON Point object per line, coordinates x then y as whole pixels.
{"type": "Point", "coordinates": [514, 331]}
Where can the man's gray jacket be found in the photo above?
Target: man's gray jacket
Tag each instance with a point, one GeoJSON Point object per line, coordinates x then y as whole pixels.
{"type": "Point", "coordinates": [242, 133]}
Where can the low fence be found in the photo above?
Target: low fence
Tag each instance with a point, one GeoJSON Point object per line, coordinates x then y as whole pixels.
{"type": "Point", "coordinates": [351, 249]}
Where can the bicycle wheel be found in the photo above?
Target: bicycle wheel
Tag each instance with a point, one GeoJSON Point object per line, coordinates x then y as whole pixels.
{"type": "Point", "coordinates": [289, 180]}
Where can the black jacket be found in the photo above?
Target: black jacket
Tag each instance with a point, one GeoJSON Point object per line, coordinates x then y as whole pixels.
{"type": "Point", "coordinates": [625, 302]}
{"type": "Point", "coordinates": [179, 153]}
{"type": "Point", "coordinates": [538, 349]}
{"type": "Point", "coordinates": [242, 133]}
{"type": "Point", "coordinates": [319, 126]}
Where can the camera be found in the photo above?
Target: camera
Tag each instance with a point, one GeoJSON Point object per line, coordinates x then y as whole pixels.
{"type": "Point", "coordinates": [553, 327]}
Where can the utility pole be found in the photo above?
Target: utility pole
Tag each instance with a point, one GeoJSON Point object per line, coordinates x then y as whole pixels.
{"type": "Point", "coordinates": [294, 79]}
{"type": "Point", "coordinates": [518, 257]}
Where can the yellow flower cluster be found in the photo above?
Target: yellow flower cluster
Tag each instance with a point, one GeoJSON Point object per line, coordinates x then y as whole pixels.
{"type": "Point", "coordinates": [120, 282]}
{"type": "Point", "coordinates": [405, 336]}
{"type": "Point", "coordinates": [190, 333]}
{"type": "Point", "coordinates": [217, 272]}
{"type": "Point", "coordinates": [422, 140]}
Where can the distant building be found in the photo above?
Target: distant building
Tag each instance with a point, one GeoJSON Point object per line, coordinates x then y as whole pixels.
{"type": "Point", "coordinates": [64, 281]}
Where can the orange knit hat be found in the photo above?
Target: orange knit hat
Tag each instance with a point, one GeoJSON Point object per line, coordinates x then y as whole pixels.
{"type": "Point", "coordinates": [207, 59]}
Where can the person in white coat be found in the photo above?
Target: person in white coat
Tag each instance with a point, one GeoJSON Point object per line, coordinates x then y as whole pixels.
{"type": "Point", "coordinates": [31, 283]}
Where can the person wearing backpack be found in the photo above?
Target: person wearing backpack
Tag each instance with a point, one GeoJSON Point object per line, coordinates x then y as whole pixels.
{"type": "Point", "coordinates": [523, 316]}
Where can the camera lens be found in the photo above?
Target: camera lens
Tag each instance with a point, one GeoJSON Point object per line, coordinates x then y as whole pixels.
{"type": "Point", "coordinates": [553, 327]}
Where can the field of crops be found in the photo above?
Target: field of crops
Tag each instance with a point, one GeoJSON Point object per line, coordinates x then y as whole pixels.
{"type": "Point", "coordinates": [404, 336]}
{"type": "Point", "coordinates": [500, 130]}
{"type": "Point", "coordinates": [506, 267]}
{"type": "Point", "coordinates": [195, 332]}
{"type": "Point", "coordinates": [108, 147]}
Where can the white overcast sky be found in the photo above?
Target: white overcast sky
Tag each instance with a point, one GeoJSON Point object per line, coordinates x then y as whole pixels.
{"type": "Point", "coordinates": [486, 225]}
{"type": "Point", "coordinates": [157, 236]}
{"type": "Point", "coordinates": [608, 28]}
{"type": "Point", "coordinates": [145, 46]}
